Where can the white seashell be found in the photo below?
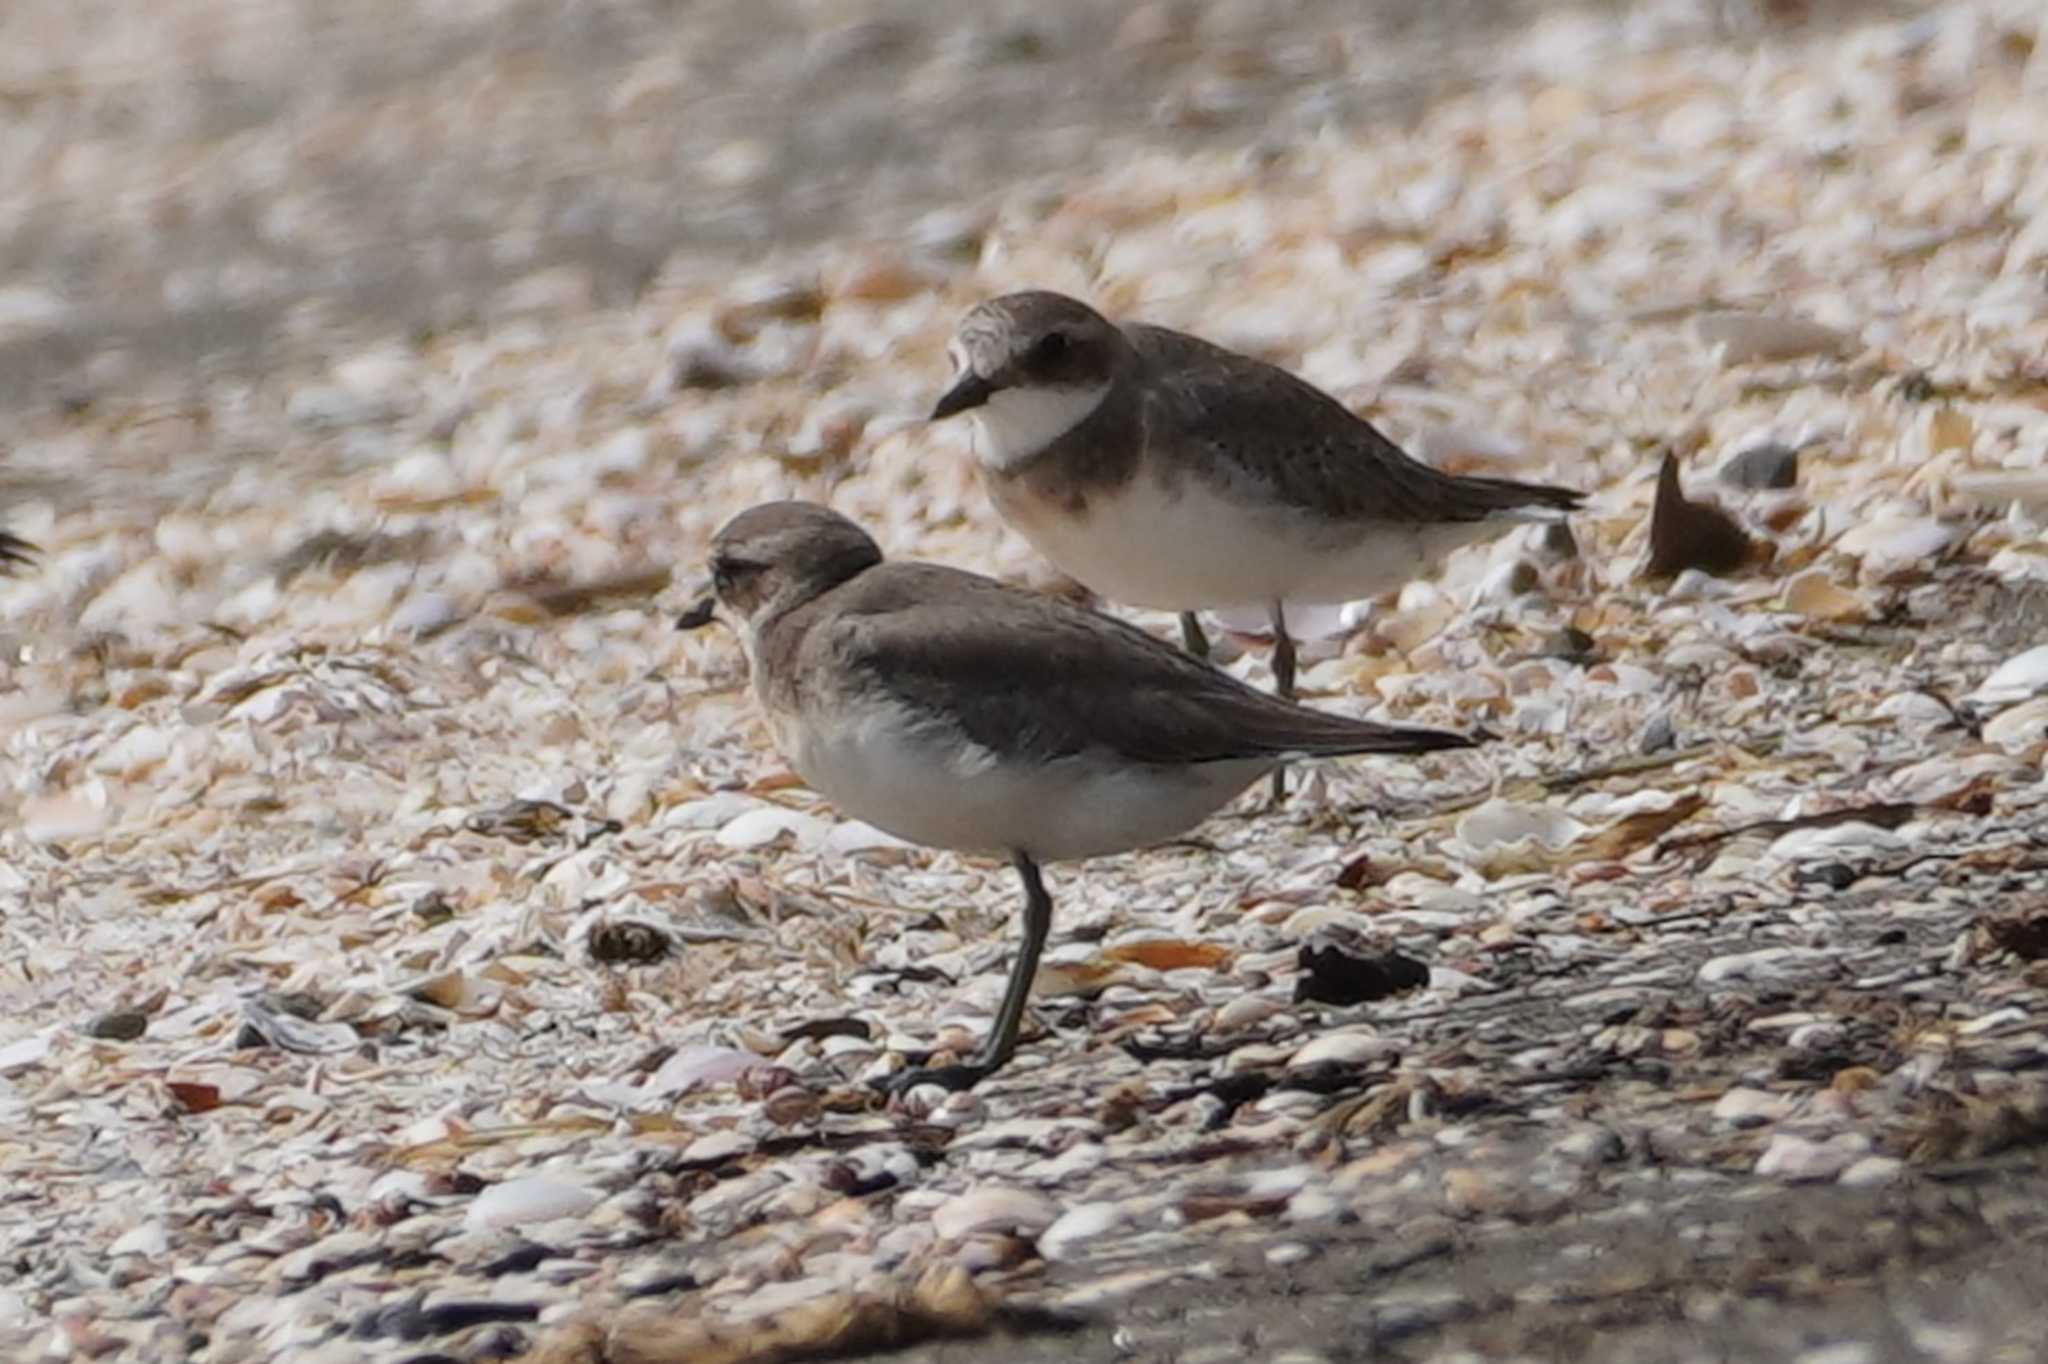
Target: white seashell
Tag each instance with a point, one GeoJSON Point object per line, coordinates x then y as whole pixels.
{"type": "Point", "coordinates": [1597, 210]}
{"type": "Point", "coordinates": [842, 1045]}
{"type": "Point", "coordinates": [993, 1207]}
{"type": "Point", "coordinates": [1741, 1107]}
{"type": "Point", "coordinates": [708, 813]}
{"type": "Point", "coordinates": [24, 308]}
{"type": "Point", "coordinates": [423, 476]}
{"type": "Point", "coordinates": [426, 613]}
{"type": "Point", "coordinates": [1500, 823]}
{"type": "Point", "coordinates": [1457, 982]}
{"type": "Point", "coordinates": [518, 1202]}
{"type": "Point", "coordinates": [1746, 338]}
{"type": "Point", "coordinates": [1873, 1170]}
{"type": "Point", "coordinates": [699, 1065]}
{"type": "Point", "coordinates": [1243, 1012]}
{"type": "Point", "coordinates": [1348, 1048]}
{"type": "Point", "coordinates": [856, 836]}
{"type": "Point", "coordinates": [1997, 1018]}
{"type": "Point", "coordinates": [1913, 709]}
{"type": "Point", "coordinates": [293, 1033]}
{"type": "Point", "coordinates": [1433, 898]}
{"type": "Point", "coordinates": [2016, 679]}
{"type": "Point", "coordinates": [1934, 778]}
{"type": "Point", "coordinates": [150, 1238]}
{"type": "Point", "coordinates": [66, 815]}
{"type": "Point", "coordinates": [1794, 1157]}
{"type": "Point", "coordinates": [2018, 564]}
{"type": "Point", "coordinates": [771, 824]}
{"type": "Point", "coordinates": [145, 595]}
{"type": "Point", "coordinates": [2005, 487]}
{"type": "Point", "coordinates": [713, 1147]}
{"type": "Point", "coordinates": [1766, 966]}
{"type": "Point", "coordinates": [1305, 620]}
{"type": "Point", "coordinates": [29, 1051]}
{"type": "Point", "coordinates": [625, 453]}
{"type": "Point", "coordinates": [1081, 1224]}
{"type": "Point", "coordinates": [1892, 543]}
{"type": "Point", "coordinates": [2019, 726]}
{"type": "Point", "coordinates": [135, 752]}
{"type": "Point", "coordinates": [1833, 840]}
{"type": "Point", "coordinates": [1700, 655]}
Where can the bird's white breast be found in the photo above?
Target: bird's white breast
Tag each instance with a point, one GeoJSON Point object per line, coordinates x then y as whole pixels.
{"type": "Point", "coordinates": [1183, 545]}
{"type": "Point", "coordinates": [885, 763]}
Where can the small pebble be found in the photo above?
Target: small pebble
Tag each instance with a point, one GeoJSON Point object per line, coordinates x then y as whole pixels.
{"type": "Point", "coordinates": [1761, 467]}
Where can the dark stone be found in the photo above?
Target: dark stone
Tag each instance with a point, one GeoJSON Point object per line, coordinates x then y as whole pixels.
{"type": "Point", "coordinates": [123, 1025]}
{"type": "Point", "coordinates": [1335, 974]}
{"type": "Point", "coordinates": [1762, 467]}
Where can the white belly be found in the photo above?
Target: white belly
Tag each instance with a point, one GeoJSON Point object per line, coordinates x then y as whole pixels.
{"type": "Point", "coordinates": [1188, 548]}
{"type": "Point", "coordinates": [879, 766]}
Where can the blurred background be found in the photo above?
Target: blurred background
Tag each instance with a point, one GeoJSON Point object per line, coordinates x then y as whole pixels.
{"type": "Point", "coordinates": [204, 188]}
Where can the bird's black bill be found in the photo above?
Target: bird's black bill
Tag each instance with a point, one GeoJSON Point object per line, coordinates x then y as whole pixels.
{"type": "Point", "coordinates": [699, 615]}
{"type": "Point", "coordinates": [970, 392]}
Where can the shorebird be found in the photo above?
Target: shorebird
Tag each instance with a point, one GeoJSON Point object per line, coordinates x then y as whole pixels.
{"type": "Point", "coordinates": [958, 712]}
{"type": "Point", "coordinates": [1162, 471]}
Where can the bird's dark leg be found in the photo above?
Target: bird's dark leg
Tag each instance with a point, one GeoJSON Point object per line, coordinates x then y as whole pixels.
{"type": "Point", "coordinates": [1191, 635]}
{"type": "Point", "coordinates": [1002, 1038]}
{"type": "Point", "coordinates": [1283, 682]}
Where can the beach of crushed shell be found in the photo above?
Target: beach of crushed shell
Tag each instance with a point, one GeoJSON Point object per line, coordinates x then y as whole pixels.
{"type": "Point", "coordinates": [415, 950]}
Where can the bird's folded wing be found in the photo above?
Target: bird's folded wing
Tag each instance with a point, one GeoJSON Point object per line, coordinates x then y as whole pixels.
{"type": "Point", "coordinates": [1023, 674]}
{"type": "Point", "coordinates": [1287, 439]}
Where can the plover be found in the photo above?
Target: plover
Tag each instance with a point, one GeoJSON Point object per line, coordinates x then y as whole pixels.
{"type": "Point", "coordinates": [958, 712]}
{"type": "Point", "coordinates": [1162, 471]}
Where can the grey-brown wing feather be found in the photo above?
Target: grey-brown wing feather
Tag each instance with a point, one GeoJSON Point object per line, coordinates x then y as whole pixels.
{"type": "Point", "coordinates": [1317, 455]}
{"type": "Point", "coordinates": [1031, 675]}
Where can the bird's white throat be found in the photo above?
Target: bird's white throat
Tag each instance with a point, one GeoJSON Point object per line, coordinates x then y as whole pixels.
{"type": "Point", "coordinates": [1017, 423]}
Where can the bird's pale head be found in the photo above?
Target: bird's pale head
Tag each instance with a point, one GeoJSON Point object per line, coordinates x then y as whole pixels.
{"type": "Point", "coordinates": [781, 554]}
{"type": "Point", "coordinates": [1030, 366]}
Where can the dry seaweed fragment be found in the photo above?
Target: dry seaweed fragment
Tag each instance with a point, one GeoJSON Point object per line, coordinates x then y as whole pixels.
{"type": "Point", "coordinates": [2024, 932]}
{"type": "Point", "coordinates": [1686, 534]}
{"type": "Point", "coordinates": [628, 940]}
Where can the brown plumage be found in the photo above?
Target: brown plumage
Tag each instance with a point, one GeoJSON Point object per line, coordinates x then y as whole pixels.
{"type": "Point", "coordinates": [1317, 455]}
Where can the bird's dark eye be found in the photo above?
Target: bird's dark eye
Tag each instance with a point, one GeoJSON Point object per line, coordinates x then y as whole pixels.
{"type": "Point", "coordinates": [727, 573]}
{"type": "Point", "coordinates": [1050, 349]}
